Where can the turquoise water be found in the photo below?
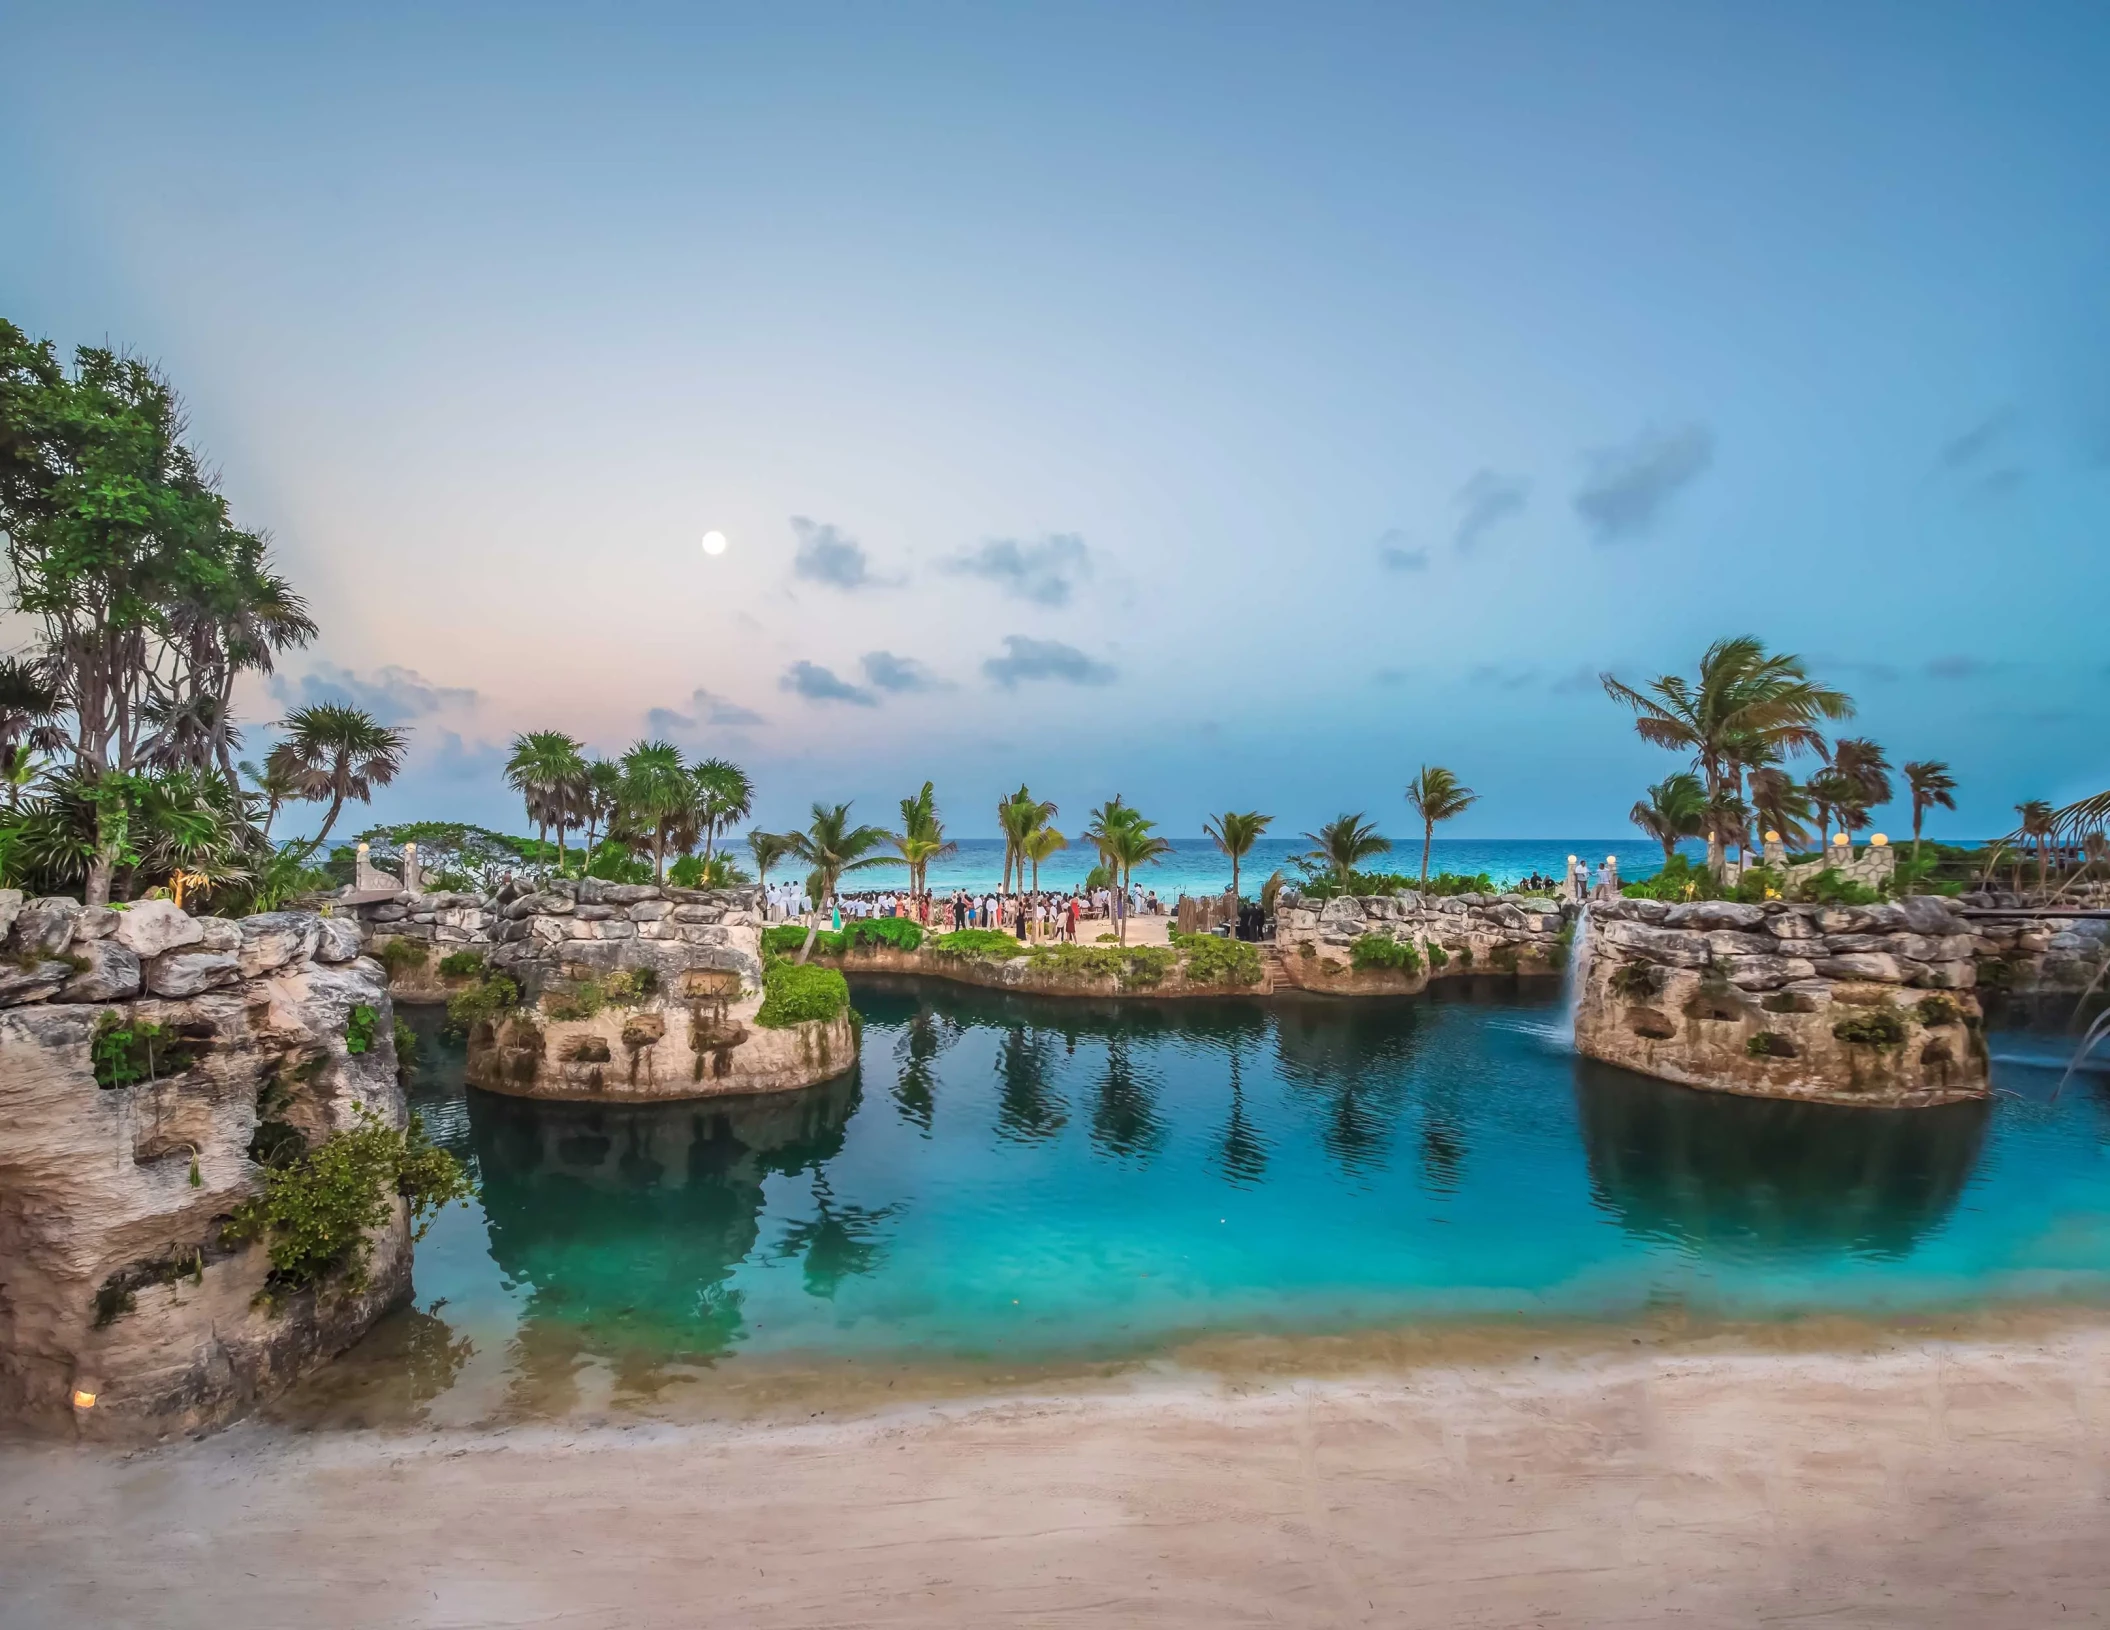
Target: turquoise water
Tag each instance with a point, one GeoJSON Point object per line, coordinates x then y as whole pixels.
{"type": "Point", "coordinates": [1013, 1179]}
{"type": "Point", "coordinates": [1197, 866]}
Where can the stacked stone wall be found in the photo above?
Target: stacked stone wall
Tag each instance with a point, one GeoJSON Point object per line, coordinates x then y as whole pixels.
{"type": "Point", "coordinates": [1471, 935]}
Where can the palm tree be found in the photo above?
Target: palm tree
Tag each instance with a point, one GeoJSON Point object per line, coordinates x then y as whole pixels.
{"type": "Point", "coordinates": [548, 769]}
{"type": "Point", "coordinates": [1346, 842]}
{"type": "Point", "coordinates": [1106, 820]}
{"type": "Point", "coordinates": [922, 838]}
{"type": "Point", "coordinates": [274, 786]}
{"type": "Point", "coordinates": [724, 794]}
{"type": "Point", "coordinates": [1932, 787]}
{"type": "Point", "coordinates": [1130, 845]}
{"type": "Point", "coordinates": [29, 715]}
{"type": "Point", "coordinates": [1781, 805]}
{"type": "Point", "coordinates": [1743, 705]}
{"type": "Point", "coordinates": [831, 846]}
{"type": "Point", "coordinates": [656, 794]}
{"type": "Point", "coordinates": [1436, 795]}
{"type": "Point", "coordinates": [336, 752]}
{"type": "Point", "coordinates": [1019, 817]}
{"type": "Point", "coordinates": [1676, 808]}
{"type": "Point", "coordinates": [600, 796]}
{"type": "Point", "coordinates": [1041, 843]}
{"type": "Point", "coordinates": [1235, 835]}
{"type": "Point", "coordinates": [2039, 823]}
{"type": "Point", "coordinates": [1862, 764]}
{"type": "Point", "coordinates": [768, 848]}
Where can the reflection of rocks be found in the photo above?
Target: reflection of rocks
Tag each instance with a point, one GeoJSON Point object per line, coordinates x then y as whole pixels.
{"type": "Point", "coordinates": [1352, 1062]}
{"type": "Point", "coordinates": [628, 1219]}
{"type": "Point", "coordinates": [1752, 1174]}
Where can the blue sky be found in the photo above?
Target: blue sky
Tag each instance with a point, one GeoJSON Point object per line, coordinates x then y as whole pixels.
{"type": "Point", "coordinates": [1225, 406]}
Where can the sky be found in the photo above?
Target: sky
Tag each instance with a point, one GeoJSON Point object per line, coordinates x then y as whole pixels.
{"type": "Point", "coordinates": [1225, 406]}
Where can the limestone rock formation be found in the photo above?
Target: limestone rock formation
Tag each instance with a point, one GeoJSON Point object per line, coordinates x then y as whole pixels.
{"type": "Point", "coordinates": [129, 1122]}
{"type": "Point", "coordinates": [1868, 1005]}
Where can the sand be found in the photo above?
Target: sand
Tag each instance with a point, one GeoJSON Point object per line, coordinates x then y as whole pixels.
{"type": "Point", "coordinates": [1919, 1484]}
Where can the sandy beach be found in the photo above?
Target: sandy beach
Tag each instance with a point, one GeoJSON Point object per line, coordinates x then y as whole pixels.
{"type": "Point", "coordinates": [1920, 1483]}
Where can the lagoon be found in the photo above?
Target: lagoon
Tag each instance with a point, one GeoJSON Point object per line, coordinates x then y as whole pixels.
{"type": "Point", "coordinates": [1015, 1182]}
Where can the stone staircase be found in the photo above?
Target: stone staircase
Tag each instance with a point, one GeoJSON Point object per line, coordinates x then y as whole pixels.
{"type": "Point", "coordinates": [1273, 975]}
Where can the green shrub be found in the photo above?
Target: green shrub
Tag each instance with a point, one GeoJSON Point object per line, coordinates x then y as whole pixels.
{"type": "Point", "coordinates": [1132, 965]}
{"type": "Point", "coordinates": [625, 988]}
{"type": "Point", "coordinates": [359, 1029]}
{"type": "Point", "coordinates": [794, 995]}
{"type": "Point", "coordinates": [1373, 951]}
{"type": "Point", "coordinates": [897, 932]}
{"type": "Point", "coordinates": [1872, 1027]}
{"type": "Point", "coordinates": [481, 1002]}
{"type": "Point", "coordinates": [406, 1051]}
{"type": "Point", "coordinates": [398, 955]}
{"type": "Point", "coordinates": [456, 964]}
{"type": "Point", "coordinates": [1937, 1010]}
{"type": "Point", "coordinates": [1438, 956]}
{"type": "Point", "coordinates": [1213, 959]}
{"type": "Point", "coordinates": [317, 1211]}
{"type": "Point", "coordinates": [981, 942]}
{"type": "Point", "coordinates": [1759, 884]}
{"type": "Point", "coordinates": [1769, 1044]}
{"type": "Point", "coordinates": [121, 1054]}
{"type": "Point", "coordinates": [1828, 888]}
{"type": "Point", "coordinates": [1679, 880]}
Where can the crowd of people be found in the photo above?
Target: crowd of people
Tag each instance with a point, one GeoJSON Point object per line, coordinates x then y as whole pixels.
{"type": "Point", "coordinates": [1045, 915]}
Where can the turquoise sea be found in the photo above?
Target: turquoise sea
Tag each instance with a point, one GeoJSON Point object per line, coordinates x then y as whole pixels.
{"type": "Point", "coordinates": [1014, 1181]}
{"type": "Point", "coordinates": [1197, 866]}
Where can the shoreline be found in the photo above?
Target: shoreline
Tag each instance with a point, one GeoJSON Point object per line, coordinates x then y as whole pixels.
{"type": "Point", "coordinates": [1929, 1482]}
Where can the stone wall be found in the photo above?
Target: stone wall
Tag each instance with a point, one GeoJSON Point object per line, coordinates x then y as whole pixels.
{"type": "Point", "coordinates": [1472, 934]}
{"type": "Point", "coordinates": [114, 1282]}
{"type": "Point", "coordinates": [1870, 1005]}
{"type": "Point", "coordinates": [2041, 955]}
{"type": "Point", "coordinates": [567, 931]}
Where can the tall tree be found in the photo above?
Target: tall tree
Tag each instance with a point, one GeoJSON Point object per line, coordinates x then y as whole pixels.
{"type": "Point", "coordinates": [29, 719]}
{"type": "Point", "coordinates": [148, 600]}
{"type": "Point", "coordinates": [1744, 704]}
{"type": "Point", "coordinates": [1675, 809]}
{"type": "Point", "coordinates": [1042, 843]}
{"type": "Point", "coordinates": [1932, 787]}
{"type": "Point", "coordinates": [1345, 842]}
{"type": "Point", "coordinates": [1131, 844]}
{"type": "Point", "coordinates": [1235, 835]}
{"type": "Point", "coordinates": [548, 769]}
{"type": "Point", "coordinates": [336, 752]}
{"type": "Point", "coordinates": [2039, 824]}
{"type": "Point", "coordinates": [768, 848]}
{"type": "Point", "coordinates": [724, 795]}
{"type": "Point", "coordinates": [922, 837]}
{"type": "Point", "coordinates": [832, 847]}
{"type": "Point", "coordinates": [1435, 794]}
{"type": "Point", "coordinates": [657, 795]}
{"type": "Point", "coordinates": [1019, 817]}
{"type": "Point", "coordinates": [1781, 805]}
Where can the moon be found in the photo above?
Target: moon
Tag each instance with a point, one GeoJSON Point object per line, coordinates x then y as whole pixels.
{"type": "Point", "coordinates": [714, 543]}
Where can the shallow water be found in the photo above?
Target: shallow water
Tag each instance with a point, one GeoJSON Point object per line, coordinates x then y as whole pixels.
{"type": "Point", "coordinates": [1015, 1182]}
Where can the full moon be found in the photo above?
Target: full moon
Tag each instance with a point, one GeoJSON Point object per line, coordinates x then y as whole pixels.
{"type": "Point", "coordinates": [714, 543]}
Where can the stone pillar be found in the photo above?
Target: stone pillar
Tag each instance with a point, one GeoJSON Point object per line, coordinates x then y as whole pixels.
{"type": "Point", "coordinates": [1776, 852]}
{"type": "Point", "coordinates": [1578, 882]}
{"type": "Point", "coordinates": [1842, 851]}
{"type": "Point", "coordinates": [413, 877]}
{"type": "Point", "coordinates": [367, 878]}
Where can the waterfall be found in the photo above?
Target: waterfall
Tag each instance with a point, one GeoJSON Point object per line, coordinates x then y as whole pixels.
{"type": "Point", "coordinates": [1575, 977]}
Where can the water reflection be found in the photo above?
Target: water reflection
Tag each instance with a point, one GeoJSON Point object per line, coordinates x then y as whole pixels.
{"type": "Point", "coordinates": [628, 1220]}
{"type": "Point", "coordinates": [1724, 1174]}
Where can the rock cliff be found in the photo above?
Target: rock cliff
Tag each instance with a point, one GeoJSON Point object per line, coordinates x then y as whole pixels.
{"type": "Point", "coordinates": [1334, 945]}
{"type": "Point", "coordinates": [146, 1056]}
